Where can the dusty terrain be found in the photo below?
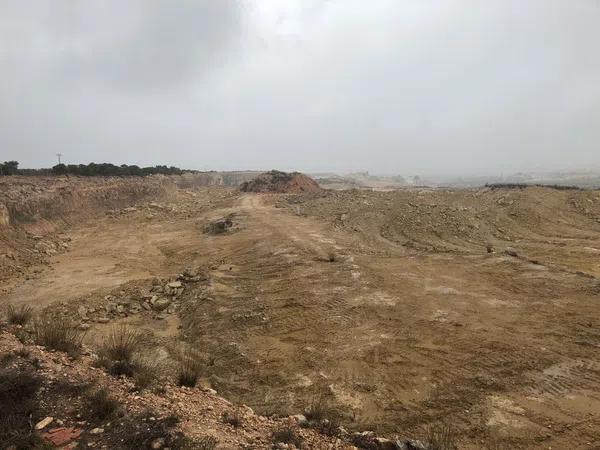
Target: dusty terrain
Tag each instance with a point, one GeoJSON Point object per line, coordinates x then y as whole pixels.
{"type": "Point", "coordinates": [402, 309]}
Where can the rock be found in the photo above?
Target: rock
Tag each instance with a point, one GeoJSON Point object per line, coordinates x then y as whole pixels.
{"type": "Point", "coordinates": [103, 320]}
{"type": "Point", "coordinates": [82, 311]}
{"type": "Point", "coordinates": [61, 436]}
{"type": "Point", "coordinates": [161, 304]}
{"type": "Point", "coordinates": [218, 226]}
{"type": "Point", "coordinates": [146, 306]}
{"type": "Point", "coordinates": [175, 284]}
{"type": "Point", "coordinates": [410, 444]}
{"type": "Point", "coordinates": [157, 443]}
{"type": "Point", "coordinates": [84, 326]}
{"type": "Point", "coordinates": [190, 273]}
{"type": "Point", "coordinates": [511, 252]}
{"type": "Point", "coordinates": [44, 423]}
{"type": "Point", "coordinates": [97, 431]}
{"type": "Point", "coordinates": [300, 419]}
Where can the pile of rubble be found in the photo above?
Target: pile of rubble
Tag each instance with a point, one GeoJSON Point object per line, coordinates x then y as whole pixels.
{"type": "Point", "coordinates": [281, 182]}
{"type": "Point", "coordinates": [156, 298]}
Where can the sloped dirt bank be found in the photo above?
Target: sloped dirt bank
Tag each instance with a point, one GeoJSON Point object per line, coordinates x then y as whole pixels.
{"type": "Point", "coordinates": [34, 211]}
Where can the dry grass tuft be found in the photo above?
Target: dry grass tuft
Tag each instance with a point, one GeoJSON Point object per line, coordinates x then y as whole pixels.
{"type": "Point", "coordinates": [19, 316]}
{"type": "Point", "coordinates": [287, 435]}
{"type": "Point", "coordinates": [101, 406]}
{"type": "Point", "coordinates": [189, 369]}
{"type": "Point", "coordinates": [233, 418]}
{"type": "Point", "coordinates": [58, 334]}
{"type": "Point", "coordinates": [440, 437]}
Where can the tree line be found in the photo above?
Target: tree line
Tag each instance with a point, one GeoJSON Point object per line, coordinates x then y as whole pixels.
{"type": "Point", "coordinates": [91, 169]}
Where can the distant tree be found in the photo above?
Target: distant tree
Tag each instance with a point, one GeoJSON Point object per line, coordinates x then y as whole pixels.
{"type": "Point", "coordinates": [108, 169]}
{"type": "Point", "coordinates": [9, 168]}
{"type": "Point", "coordinates": [59, 169]}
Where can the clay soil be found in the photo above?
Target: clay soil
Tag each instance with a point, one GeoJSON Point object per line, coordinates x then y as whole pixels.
{"type": "Point", "coordinates": [402, 309]}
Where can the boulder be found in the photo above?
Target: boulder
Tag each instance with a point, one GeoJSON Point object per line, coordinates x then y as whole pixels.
{"type": "Point", "coordinates": [161, 304]}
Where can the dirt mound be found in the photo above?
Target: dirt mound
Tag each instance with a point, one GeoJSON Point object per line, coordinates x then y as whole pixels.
{"type": "Point", "coordinates": [281, 182]}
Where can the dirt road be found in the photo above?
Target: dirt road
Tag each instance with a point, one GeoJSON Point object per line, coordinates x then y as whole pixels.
{"type": "Point", "coordinates": [503, 350]}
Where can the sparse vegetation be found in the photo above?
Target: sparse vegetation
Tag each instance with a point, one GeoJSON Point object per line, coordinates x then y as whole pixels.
{"type": "Point", "coordinates": [189, 371]}
{"type": "Point", "coordinates": [142, 431]}
{"type": "Point", "coordinates": [117, 353]}
{"type": "Point", "coordinates": [322, 417]}
{"type": "Point", "coordinates": [287, 435]}
{"type": "Point", "coordinates": [100, 405]}
{"type": "Point", "coordinates": [559, 187]}
{"type": "Point", "coordinates": [233, 418]}
{"type": "Point", "coordinates": [19, 316]}
{"type": "Point", "coordinates": [145, 373]}
{"type": "Point", "coordinates": [318, 409]}
{"type": "Point", "coordinates": [58, 334]}
{"type": "Point", "coordinates": [18, 389]}
{"type": "Point", "coordinates": [206, 443]}
{"type": "Point", "coordinates": [440, 437]}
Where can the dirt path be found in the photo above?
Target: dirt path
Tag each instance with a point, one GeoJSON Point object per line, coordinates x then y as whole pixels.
{"type": "Point", "coordinates": [501, 349]}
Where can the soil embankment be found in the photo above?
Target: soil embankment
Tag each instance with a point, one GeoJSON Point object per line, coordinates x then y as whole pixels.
{"type": "Point", "coordinates": [281, 182]}
{"type": "Point", "coordinates": [35, 210]}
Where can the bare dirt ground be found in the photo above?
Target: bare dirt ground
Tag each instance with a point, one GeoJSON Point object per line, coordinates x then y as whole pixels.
{"type": "Point", "coordinates": [388, 304]}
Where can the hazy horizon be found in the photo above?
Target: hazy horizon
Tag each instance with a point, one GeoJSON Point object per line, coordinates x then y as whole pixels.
{"type": "Point", "coordinates": [452, 87]}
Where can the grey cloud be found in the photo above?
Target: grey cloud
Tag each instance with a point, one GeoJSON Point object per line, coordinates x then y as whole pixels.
{"type": "Point", "coordinates": [453, 86]}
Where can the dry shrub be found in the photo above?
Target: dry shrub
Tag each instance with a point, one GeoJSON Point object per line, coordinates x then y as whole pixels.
{"type": "Point", "coordinates": [101, 406]}
{"type": "Point", "coordinates": [206, 443]}
{"type": "Point", "coordinates": [139, 432]}
{"type": "Point", "coordinates": [322, 417]}
{"type": "Point", "coordinates": [18, 390]}
{"type": "Point", "coordinates": [58, 334]}
{"type": "Point", "coordinates": [118, 351]}
{"type": "Point", "coordinates": [287, 435]}
{"type": "Point", "coordinates": [146, 372]}
{"type": "Point", "coordinates": [189, 369]}
{"type": "Point", "coordinates": [19, 316]}
{"type": "Point", "coordinates": [440, 437]}
{"type": "Point", "coordinates": [233, 418]}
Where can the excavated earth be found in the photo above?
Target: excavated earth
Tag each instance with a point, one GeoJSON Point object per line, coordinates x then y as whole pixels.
{"type": "Point", "coordinates": [479, 309]}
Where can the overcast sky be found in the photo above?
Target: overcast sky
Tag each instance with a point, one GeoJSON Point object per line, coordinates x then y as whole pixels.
{"type": "Point", "coordinates": [390, 86]}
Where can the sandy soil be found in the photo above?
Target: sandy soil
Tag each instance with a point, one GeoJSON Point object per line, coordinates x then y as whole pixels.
{"type": "Point", "coordinates": [399, 326]}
